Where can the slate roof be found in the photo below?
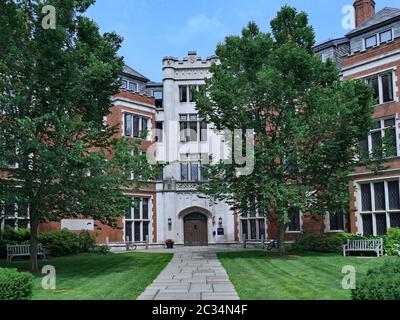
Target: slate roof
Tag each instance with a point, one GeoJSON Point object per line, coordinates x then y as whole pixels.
{"type": "Point", "coordinates": [329, 43]}
{"type": "Point", "coordinates": [384, 16]}
{"type": "Point", "coordinates": [133, 73]}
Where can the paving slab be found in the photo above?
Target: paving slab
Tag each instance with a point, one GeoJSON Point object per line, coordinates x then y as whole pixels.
{"type": "Point", "coordinates": [194, 274]}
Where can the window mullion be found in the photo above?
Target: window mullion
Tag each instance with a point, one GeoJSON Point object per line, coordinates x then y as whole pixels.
{"type": "Point", "coordinates": [380, 86]}
{"type": "Point", "coordinates": [372, 186]}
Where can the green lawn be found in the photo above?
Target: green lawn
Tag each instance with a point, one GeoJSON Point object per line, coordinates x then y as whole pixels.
{"type": "Point", "coordinates": [258, 275]}
{"type": "Point", "coordinates": [93, 277]}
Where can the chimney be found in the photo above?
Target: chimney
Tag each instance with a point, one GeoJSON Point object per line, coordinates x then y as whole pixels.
{"type": "Point", "coordinates": [364, 9]}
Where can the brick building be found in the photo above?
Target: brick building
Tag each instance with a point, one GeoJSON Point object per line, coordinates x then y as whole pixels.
{"type": "Point", "coordinates": [171, 208]}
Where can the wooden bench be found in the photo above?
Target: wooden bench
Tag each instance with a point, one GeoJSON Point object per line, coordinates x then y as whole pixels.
{"type": "Point", "coordinates": [23, 250]}
{"type": "Point", "coordinates": [375, 245]}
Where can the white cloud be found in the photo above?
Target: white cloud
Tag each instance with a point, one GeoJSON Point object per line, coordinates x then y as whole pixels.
{"type": "Point", "coordinates": [197, 25]}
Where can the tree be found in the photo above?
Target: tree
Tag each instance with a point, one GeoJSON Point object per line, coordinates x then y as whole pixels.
{"type": "Point", "coordinates": [307, 123]}
{"type": "Point", "coordinates": [55, 89]}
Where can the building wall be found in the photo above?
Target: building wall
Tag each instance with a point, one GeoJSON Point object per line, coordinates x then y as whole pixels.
{"type": "Point", "coordinates": [361, 64]}
{"type": "Point", "coordinates": [182, 198]}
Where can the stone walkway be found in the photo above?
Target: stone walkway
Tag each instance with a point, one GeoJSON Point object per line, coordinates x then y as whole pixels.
{"type": "Point", "coordinates": [194, 274]}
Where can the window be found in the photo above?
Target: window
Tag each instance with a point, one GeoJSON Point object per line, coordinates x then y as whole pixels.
{"type": "Point", "coordinates": [124, 84]}
{"type": "Point", "coordinates": [137, 220]}
{"type": "Point", "coordinates": [382, 140]}
{"type": "Point", "coordinates": [387, 87]}
{"type": "Point", "coordinates": [385, 36]}
{"type": "Point", "coordinates": [253, 222]}
{"type": "Point", "coordinates": [379, 206]}
{"type": "Point", "coordinates": [159, 131]}
{"type": "Point", "coordinates": [15, 215]}
{"type": "Point", "coordinates": [135, 126]}
{"type": "Point", "coordinates": [133, 86]}
{"type": "Point", "coordinates": [295, 224]}
{"type": "Point", "coordinates": [192, 171]}
{"type": "Point", "coordinates": [186, 92]}
{"type": "Point", "coordinates": [158, 96]}
{"type": "Point", "coordinates": [336, 222]}
{"type": "Point", "coordinates": [192, 128]}
{"type": "Point", "coordinates": [382, 87]}
{"type": "Point", "coordinates": [183, 93]}
{"type": "Point", "coordinates": [371, 42]}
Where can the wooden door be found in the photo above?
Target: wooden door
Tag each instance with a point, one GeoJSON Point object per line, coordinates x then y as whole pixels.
{"type": "Point", "coordinates": [195, 230]}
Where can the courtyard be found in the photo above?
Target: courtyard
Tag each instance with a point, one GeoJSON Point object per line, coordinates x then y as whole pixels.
{"type": "Point", "coordinates": [204, 273]}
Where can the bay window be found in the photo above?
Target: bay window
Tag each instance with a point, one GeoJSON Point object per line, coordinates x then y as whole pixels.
{"type": "Point", "coordinates": [135, 126]}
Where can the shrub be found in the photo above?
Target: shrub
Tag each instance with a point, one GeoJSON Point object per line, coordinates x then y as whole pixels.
{"type": "Point", "coordinates": [381, 283]}
{"type": "Point", "coordinates": [100, 250]}
{"type": "Point", "coordinates": [326, 244]}
{"type": "Point", "coordinates": [19, 236]}
{"type": "Point", "coordinates": [15, 285]}
{"type": "Point", "coordinates": [60, 243]}
{"type": "Point", "coordinates": [391, 241]}
{"type": "Point", "coordinates": [87, 242]}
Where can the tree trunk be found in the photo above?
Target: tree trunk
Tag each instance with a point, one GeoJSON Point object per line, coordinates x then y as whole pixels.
{"type": "Point", "coordinates": [282, 232]}
{"type": "Point", "coordinates": [34, 242]}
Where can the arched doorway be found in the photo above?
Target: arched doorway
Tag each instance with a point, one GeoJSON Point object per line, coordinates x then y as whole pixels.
{"type": "Point", "coordinates": [195, 230]}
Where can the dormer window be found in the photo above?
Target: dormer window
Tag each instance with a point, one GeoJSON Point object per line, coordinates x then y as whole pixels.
{"type": "Point", "coordinates": [124, 84]}
{"type": "Point", "coordinates": [133, 86]}
{"type": "Point", "coordinates": [385, 36]}
{"type": "Point", "coordinates": [378, 39]}
{"type": "Point", "coordinates": [371, 42]}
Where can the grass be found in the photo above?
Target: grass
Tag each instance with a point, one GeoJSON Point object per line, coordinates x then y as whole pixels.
{"type": "Point", "coordinates": [95, 277]}
{"type": "Point", "coordinates": [258, 275]}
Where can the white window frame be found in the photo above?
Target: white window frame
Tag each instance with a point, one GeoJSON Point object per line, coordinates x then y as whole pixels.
{"type": "Point", "coordinates": [188, 92]}
{"type": "Point", "coordinates": [378, 39]}
{"type": "Point", "coordinates": [382, 130]}
{"type": "Point", "coordinates": [140, 116]}
{"type": "Point", "coordinates": [189, 163]}
{"type": "Point", "coordinates": [374, 212]}
{"type": "Point", "coordinates": [198, 121]}
{"type": "Point", "coordinates": [388, 41]}
{"type": "Point", "coordinates": [301, 225]}
{"type": "Point", "coordinates": [124, 87]}
{"type": "Point", "coordinates": [257, 217]}
{"type": "Point", "coordinates": [134, 84]}
{"type": "Point", "coordinates": [140, 220]}
{"type": "Point", "coordinates": [380, 85]}
{"type": "Point", "coordinates": [328, 224]}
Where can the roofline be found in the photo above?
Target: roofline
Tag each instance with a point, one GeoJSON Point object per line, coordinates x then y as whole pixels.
{"type": "Point", "coordinates": [135, 77]}
{"type": "Point", "coordinates": [356, 32]}
{"type": "Point", "coordinates": [330, 42]}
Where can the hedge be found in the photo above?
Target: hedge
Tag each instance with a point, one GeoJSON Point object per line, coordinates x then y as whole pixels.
{"type": "Point", "coordinates": [65, 242]}
{"type": "Point", "coordinates": [382, 283]}
{"type": "Point", "coordinates": [334, 244]}
{"type": "Point", "coordinates": [15, 285]}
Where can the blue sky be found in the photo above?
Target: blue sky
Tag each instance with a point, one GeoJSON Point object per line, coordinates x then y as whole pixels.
{"type": "Point", "coordinates": [153, 29]}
